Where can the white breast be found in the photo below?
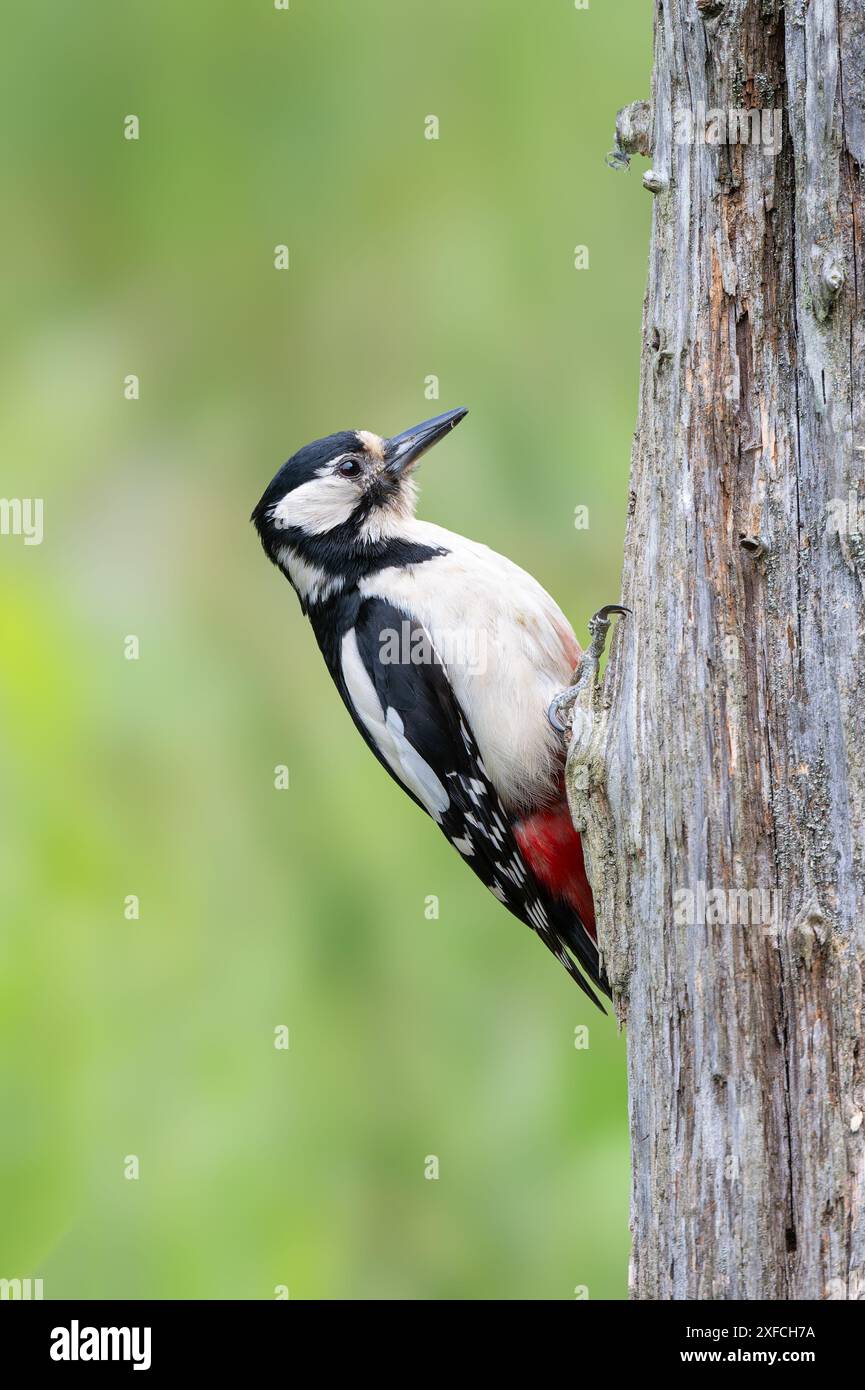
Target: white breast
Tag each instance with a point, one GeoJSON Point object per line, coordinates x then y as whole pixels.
{"type": "Point", "coordinates": [507, 648]}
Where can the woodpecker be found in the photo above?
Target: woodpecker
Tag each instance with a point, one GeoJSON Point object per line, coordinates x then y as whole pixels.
{"type": "Point", "coordinates": [448, 657]}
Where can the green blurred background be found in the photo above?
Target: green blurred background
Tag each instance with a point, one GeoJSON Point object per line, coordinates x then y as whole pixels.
{"type": "Point", "coordinates": [409, 1037]}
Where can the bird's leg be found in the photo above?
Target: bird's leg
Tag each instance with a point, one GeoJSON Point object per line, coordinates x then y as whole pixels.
{"type": "Point", "coordinates": [560, 712]}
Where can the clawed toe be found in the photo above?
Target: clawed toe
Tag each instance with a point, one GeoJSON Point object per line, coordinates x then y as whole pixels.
{"type": "Point", "coordinates": [598, 626]}
{"type": "Point", "coordinates": [557, 705]}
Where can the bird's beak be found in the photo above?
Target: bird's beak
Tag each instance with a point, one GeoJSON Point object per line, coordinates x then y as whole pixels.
{"type": "Point", "coordinates": [406, 448]}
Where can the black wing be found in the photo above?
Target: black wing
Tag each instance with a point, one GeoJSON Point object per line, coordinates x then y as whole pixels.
{"type": "Point", "coordinates": [415, 696]}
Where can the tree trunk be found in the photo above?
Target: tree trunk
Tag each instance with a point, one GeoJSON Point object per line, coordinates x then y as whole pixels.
{"type": "Point", "coordinates": [718, 774]}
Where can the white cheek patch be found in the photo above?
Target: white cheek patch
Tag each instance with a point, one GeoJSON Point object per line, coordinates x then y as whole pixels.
{"type": "Point", "coordinates": [317, 506]}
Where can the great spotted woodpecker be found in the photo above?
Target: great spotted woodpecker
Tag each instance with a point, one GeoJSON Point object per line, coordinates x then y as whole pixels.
{"type": "Point", "coordinates": [448, 657]}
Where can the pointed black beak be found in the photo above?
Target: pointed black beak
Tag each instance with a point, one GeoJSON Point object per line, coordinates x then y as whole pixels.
{"type": "Point", "coordinates": [406, 448]}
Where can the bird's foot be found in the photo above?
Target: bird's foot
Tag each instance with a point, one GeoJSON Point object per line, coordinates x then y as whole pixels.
{"type": "Point", "coordinates": [561, 710]}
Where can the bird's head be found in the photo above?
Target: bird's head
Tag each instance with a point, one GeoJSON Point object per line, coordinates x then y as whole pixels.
{"type": "Point", "coordinates": [341, 501]}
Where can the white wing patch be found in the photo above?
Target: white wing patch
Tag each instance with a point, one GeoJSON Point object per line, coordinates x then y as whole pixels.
{"type": "Point", "coordinates": [388, 733]}
{"type": "Point", "coordinates": [318, 506]}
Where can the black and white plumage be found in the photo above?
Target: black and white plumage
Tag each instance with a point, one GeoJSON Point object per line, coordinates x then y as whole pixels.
{"type": "Point", "coordinates": [446, 656]}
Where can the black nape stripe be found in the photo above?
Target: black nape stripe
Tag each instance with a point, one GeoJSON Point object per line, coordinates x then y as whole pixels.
{"type": "Point", "coordinates": [351, 562]}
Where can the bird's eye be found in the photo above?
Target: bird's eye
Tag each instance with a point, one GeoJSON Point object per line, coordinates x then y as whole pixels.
{"type": "Point", "coordinates": [349, 468]}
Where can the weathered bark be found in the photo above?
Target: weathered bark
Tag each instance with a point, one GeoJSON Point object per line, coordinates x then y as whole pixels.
{"type": "Point", "coordinates": [726, 747]}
